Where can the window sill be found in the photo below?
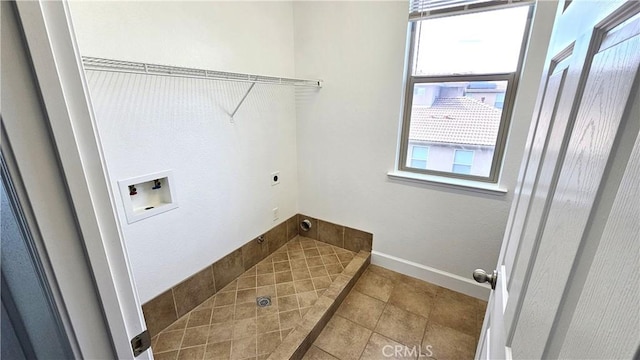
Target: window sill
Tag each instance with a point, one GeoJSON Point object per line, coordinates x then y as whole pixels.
{"type": "Point", "coordinates": [468, 185]}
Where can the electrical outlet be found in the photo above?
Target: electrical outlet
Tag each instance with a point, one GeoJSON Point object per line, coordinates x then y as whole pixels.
{"type": "Point", "coordinates": [276, 214]}
{"type": "Point", "coordinates": [275, 178]}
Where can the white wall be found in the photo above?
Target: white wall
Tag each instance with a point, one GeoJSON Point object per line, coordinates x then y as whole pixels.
{"type": "Point", "coordinates": [237, 36]}
{"type": "Point", "coordinates": [345, 135]}
{"type": "Point", "coordinates": [149, 123]}
{"type": "Point", "coordinates": [347, 142]}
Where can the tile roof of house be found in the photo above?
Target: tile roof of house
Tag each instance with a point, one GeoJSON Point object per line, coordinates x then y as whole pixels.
{"type": "Point", "coordinates": [458, 120]}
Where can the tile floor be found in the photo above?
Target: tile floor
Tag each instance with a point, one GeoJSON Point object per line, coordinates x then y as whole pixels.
{"type": "Point", "coordinates": [386, 311]}
{"type": "Point", "coordinates": [229, 325]}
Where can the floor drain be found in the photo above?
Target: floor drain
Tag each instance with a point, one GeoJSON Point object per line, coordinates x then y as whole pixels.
{"type": "Point", "coordinates": [263, 301]}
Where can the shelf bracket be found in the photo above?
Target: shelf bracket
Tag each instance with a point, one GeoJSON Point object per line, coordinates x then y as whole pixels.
{"type": "Point", "coordinates": [242, 100]}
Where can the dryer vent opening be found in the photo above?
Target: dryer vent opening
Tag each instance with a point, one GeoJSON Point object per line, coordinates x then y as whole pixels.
{"type": "Point", "coordinates": [305, 225]}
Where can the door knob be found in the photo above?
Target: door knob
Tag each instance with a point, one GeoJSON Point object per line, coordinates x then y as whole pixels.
{"type": "Point", "coordinates": [481, 276]}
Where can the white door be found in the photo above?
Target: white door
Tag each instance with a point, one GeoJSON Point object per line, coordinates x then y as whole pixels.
{"type": "Point", "coordinates": [53, 154]}
{"type": "Point", "coordinates": [568, 283]}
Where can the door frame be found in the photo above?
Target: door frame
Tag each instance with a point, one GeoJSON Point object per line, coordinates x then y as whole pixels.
{"type": "Point", "coordinates": [57, 65]}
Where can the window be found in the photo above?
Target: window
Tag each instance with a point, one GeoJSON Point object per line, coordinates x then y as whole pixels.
{"type": "Point", "coordinates": [499, 104]}
{"type": "Point", "coordinates": [462, 77]}
{"type": "Point", "coordinates": [419, 155]}
{"type": "Point", "coordinates": [462, 161]}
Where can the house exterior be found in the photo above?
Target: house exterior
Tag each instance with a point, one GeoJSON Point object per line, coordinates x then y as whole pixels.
{"type": "Point", "coordinates": [452, 129]}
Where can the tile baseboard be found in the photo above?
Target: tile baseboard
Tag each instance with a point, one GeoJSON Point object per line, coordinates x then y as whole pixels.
{"type": "Point", "coordinates": [169, 306]}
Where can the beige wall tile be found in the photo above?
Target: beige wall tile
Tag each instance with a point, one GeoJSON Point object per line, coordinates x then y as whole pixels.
{"type": "Point", "coordinates": [277, 237]}
{"type": "Point", "coordinates": [228, 268]}
{"type": "Point", "coordinates": [193, 291]}
{"type": "Point", "coordinates": [160, 312]}
{"type": "Point", "coordinates": [293, 225]}
{"type": "Point", "coordinates": [356, 240]}
{"type": "Point", "coordinates": [331, 233]}
{"type": "Point", "coordinates": [253, 252]}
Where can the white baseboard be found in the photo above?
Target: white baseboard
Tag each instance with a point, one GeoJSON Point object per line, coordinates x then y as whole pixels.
{"type": "Point", "coordinates": [431, 275]}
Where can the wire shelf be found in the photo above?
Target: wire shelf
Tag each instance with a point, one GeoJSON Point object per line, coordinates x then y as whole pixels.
{"type": "Point", "coordinates": [100, 64]}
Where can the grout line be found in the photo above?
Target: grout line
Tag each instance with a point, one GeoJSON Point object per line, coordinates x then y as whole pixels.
{"type": "Point", "coordinates": [365, 345]}
{"type": "Point", "coordinates": [294, 281]}
{"type": "Point", "coordinates": [213, 303]}
{"type": "Point", "coordinates": [385, 304]}
{"type": "Point", "coordinates": [213, 276]}
{"type": "Point", "coordinates": [184, 332]}
{"type": "Point", "coordinates": [175, 306]}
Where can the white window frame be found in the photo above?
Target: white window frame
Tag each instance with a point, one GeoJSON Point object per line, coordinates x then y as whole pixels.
{"type": "Point", "coordinates": [512, 85]}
